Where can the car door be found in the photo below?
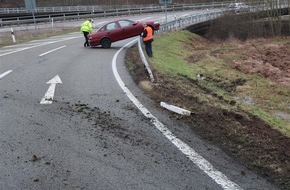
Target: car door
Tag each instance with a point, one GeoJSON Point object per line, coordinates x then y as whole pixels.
{"type": "Point", "coordinates": [113, 31]}
{"type": "Point", "coordinates": [130, 28]}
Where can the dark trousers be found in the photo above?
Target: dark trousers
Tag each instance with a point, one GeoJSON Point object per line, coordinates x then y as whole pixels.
{"type": "Point", "coordinates": [86, 38]}
{"type": "Point", "coordinates": [148, 48]}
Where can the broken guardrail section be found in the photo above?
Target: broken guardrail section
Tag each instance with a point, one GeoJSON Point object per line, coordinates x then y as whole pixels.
{"type": "Point", "coordinates": [175, 109]}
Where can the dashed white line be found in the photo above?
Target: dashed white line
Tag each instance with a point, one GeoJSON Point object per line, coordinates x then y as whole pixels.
{"type": "Point", "coordinates": [43, 44]}
{"type": "Point", "coordinates": [197, 159]}
{"type": "Point", "coordinates": [51, 51]}
{"type": "Point", "coordinates": [6, 73]}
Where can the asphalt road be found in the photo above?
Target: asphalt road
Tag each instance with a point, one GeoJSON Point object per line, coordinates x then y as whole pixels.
{"type": "Point", "coordinates": [72, 118]}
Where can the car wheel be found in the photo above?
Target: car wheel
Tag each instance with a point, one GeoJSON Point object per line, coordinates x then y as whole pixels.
{"type": "Point", "coordinates": [106, 43]}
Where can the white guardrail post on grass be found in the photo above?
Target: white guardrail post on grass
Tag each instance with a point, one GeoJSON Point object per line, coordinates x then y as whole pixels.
{"type": "Point", "coordinates": [13, 36]}
{"type": "Point", "coordinates": [144, 61]}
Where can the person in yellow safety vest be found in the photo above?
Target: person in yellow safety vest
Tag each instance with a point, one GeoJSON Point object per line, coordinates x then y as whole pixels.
{"type": "Point", "coordinates": [86, 29]}
{"type": "Point", "coordinates": [147, 36]}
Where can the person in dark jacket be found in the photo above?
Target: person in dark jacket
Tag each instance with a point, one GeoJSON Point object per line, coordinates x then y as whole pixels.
{"type": "Point", "coordinates": [147, 36]}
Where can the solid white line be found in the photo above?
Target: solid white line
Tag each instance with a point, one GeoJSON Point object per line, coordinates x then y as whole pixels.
{"type": "Point", "coordinates": [51, 51]}
{"type": "Point", "coordinates": [6, 73]}
{"type": "Point", "coordinates": [197, 159]}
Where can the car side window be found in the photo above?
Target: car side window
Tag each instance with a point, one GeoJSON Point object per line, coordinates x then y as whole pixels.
{"type": "Point", "coordinates": [112, 26]}
{"type": "Point", "coordinates": [125, 23]}
{"type": "Point", "coordinates": [103, 29]}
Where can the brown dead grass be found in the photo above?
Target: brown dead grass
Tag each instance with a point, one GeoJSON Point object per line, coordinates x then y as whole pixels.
{"type": "Point", "coordinates": [244, 136]}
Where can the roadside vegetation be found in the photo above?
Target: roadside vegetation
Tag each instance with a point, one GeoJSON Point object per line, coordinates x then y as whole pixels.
{"type": "Point", "coordinates": [229, 73]}
{"type": "Point", "coordinates": [28, 35]}
{"type": "Point", "coordinates": [238, 93]}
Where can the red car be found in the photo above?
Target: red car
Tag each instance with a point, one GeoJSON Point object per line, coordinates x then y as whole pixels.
{"type": "Point", "coordinates": [118, 30]}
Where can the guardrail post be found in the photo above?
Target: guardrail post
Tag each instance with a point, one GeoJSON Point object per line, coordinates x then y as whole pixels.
{"type": "Point", "coordinates": [1, 22]}
{"type": "Point", "coordinates": [13, 36]}
{"type": "Point", "coordinates": [51, 22]}
{"type": "Point", "coordinates": [175, 22]}
{"type": "Point", "coordinates": [144, 61]}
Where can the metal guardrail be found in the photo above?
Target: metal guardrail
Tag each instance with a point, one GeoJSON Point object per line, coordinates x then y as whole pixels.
{"type": "Point", "coordinates": [189, 20]}
{"type": "Point", "coordinates": [127, 8]}
{"type": "Point", "coordinates": [107, 7]}
{"type": "Point", "coordinates": [16, 21]}
{"type": "Point", "coordinates": [175, 25]}
{"type": "Point", "coordinates": [96, 12]}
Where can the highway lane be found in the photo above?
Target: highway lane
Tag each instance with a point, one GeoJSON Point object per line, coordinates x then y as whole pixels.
{"type": "Point", "coordinates": [92, 136]}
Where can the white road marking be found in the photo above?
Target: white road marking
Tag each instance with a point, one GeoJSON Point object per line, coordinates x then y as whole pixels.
{"type": "Point", "coordinates": [51, 51]}
{"type": "Point", "coordinates": [6, 73]}
{"type": "Point", "coordinates": [48, 97]}
{"type": "Point", "coordinates": [197, 159]}
{"type": "Point", "coordinates": [21, 45]}
{"type": "Point", "coordinates": [42, 44]}
{"type": "Point", "coordinates": [22, 49]}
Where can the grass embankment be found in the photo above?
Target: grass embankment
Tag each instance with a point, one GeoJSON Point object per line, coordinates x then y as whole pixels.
{"type": "Point", "coordinates": [187, 55]}
{"type": "Point", "coordinates": [235, 103]}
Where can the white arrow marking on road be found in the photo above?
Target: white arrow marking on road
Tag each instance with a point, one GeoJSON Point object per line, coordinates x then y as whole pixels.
{"type": "Point", "coordinates": [48, 97]}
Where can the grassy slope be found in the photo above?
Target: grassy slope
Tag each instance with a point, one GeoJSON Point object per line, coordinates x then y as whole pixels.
{"type": "Point", "coordinates": [193, 59]}
{"type": "Point", "coordinates": [231, 109]}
